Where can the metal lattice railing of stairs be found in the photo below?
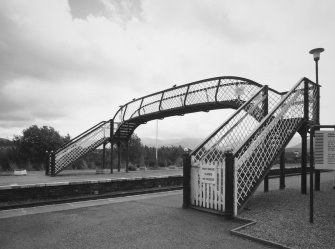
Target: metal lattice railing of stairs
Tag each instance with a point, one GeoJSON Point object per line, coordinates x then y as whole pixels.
{"type": "Point", "coordinates": [230, 135]}
{"type": "Point", "coordinates": [255, 157]}
{"type": "Point", "coordinates": [256, 140]}
{"type": "Point", "coordinates": [79, 146]}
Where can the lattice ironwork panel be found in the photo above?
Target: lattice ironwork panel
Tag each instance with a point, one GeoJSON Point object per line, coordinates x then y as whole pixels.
{"type": "Point", "coordinates": [119, 115]}
{"type": "Point", "coordinates": [255, 156]}
{"type": "Point", "coordinates": [133, 109]}
{"type": "Point", "coordinates": [203, 92]}
{"type": "Point", "coordinates": [174, 98]}
{"type": "Point", "coordinates": [234, 131]}
{"type": "Point", "coordinates": [274, 99]}
{"type": "Point", "coordinates": [312, 99]}
{"type": "Point", "coordinates": [151, 104]}
{"type": "Point", "coordinates": [74, 151]}
{"type": "Point", "coordinates": [230, 91]}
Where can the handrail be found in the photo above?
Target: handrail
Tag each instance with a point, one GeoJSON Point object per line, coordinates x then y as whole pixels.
{"type": "Point", "coordinates": [270, 114]}
{"type": "Point", "coordinates": [74, 140]}
{"type": "Point", "coordinates": [226, 122]}
{"type": "Point", "coordinates": [194, 83]}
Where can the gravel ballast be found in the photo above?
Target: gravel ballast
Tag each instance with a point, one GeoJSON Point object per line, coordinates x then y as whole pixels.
{"type": "Point", "coordinates": [282, 216]}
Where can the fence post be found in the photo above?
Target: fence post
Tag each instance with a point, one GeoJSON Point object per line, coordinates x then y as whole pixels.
{"type": "Point", "coordinates": [53, 163]}
{"type": "Point", "coordinates": [186, 180]}
{"type": "Point", "coordinates": [229, 184]}
{"type": "Point", "coordinates": [47, 162]}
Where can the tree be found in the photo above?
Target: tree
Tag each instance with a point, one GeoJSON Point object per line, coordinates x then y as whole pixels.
{"type": "Point", "coordinates": [35, 141]}
{"type": "Point", "coordinates": [135, 150]}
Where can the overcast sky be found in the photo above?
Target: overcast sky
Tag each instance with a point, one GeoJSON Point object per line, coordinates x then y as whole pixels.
{"type": "Point", "coordinates": [70, 64]}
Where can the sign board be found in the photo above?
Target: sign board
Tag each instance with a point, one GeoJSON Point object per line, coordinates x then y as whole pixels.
{"type": "Point", "coordinates": [208, 173]}
{"type": "Point", "coordinates": [324, 149]}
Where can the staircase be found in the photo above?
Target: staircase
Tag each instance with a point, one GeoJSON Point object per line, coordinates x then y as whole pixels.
{"type": "Point", "coordinates": [256, 134]}
{"type": "Point", "coordinates": [79, 146]}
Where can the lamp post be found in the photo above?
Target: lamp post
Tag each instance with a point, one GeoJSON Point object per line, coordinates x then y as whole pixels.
{"type": "Point", "coordinates": [316, 55]}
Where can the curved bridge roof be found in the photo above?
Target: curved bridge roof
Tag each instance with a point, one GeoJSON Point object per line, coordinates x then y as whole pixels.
{"type": "Point", "coordinates": [204, 95]}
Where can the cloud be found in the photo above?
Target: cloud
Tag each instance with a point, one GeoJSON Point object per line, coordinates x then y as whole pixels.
{"type": "Point", "coordinates": [70, 64]}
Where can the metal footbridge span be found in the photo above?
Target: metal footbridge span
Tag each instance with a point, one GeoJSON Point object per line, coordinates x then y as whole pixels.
{"type": "Point", "coordinates": [263, 124]}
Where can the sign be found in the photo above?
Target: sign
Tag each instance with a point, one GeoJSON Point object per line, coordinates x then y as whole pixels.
{"type": "Point", "coordinates": [208, 173]}
{"type": "Point", "coordinates": [324, 149]}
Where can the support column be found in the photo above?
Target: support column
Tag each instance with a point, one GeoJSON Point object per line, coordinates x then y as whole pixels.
{"type": "Point", "coordinates": [53, 164]}
{"type": "Point", "coordinates": [229, 184]}
{"type": "Point", "coordinates": [304, 161]}
{"type": "Point", "coordinates": [47, 162]}
{"type": "Point", "coordinates": [127, 155]}
{"type": "Point", "coordinates": [112, 143]}
{"type": "Point", "coordinates": [186, 180]}
{"type": "Point", "coordinates": [304, 140]}
{"type": "Point", "coordinates": [282, 170]}
{"type": "Point", "coordinates": [265, 102]}
{"type": "Point", "coordinates": [266, 183]}
{"type": "Point", "coordinates": [118, 156]}
{"type": "Point", "coordinates": [103, 155]}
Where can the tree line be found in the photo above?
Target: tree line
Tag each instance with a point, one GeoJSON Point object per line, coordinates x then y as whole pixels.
{"type": "Point", "coordinates": [28, 151]}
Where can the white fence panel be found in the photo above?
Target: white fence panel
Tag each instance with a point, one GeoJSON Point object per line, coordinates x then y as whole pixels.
{"type": "Point", "coordinates": [208, 185]}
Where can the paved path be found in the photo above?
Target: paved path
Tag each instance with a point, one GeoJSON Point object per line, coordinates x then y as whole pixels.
{"type": "Point", "coordinates": [36, 177]}
{"type": "Point", "coordinates": [147, 221]}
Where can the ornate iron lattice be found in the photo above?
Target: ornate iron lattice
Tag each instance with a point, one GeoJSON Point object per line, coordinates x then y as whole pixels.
{"type": "Point", "coordinates": [257, 132]}
{"type": "Point", "coordinates": [233, 131]}
{"type": "Point", "coordinates": [81, 145]}
{"type": "Point", "coordinates": [214, 93]}
{"type": "Point", "coordinates": [255, 157]}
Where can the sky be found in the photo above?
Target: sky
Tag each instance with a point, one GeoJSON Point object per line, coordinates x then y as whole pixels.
{"type": "Point", "coordinates": [71, 64]}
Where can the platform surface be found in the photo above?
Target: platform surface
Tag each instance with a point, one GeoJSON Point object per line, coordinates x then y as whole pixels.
{"type": "Point", "coordinates": [39, 177]}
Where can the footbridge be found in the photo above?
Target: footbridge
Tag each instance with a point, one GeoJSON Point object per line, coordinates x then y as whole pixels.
{"type": "Point", "coordinates": [264, 122]}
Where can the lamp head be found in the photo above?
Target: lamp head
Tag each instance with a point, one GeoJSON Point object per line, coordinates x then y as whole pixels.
{"type": "Point", "coordinates": [316, 53]}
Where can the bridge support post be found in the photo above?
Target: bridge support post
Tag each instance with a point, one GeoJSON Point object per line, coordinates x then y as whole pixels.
{"type": "Point", "coordinates": [304, 161]}
{"type": "Point", "coordinates": [103, 155]}
{"type": "Point", "coordinates": [266, 183]}
{"type": "Point", "coordinates": [304, 140]}
{"type": "Point", "coordinates": [112, 143]}
{"type": "Point", "coordinates": [127, 155]}
{"type": "Point", "coordinates": [186, 180]}
{"type": "Point", "coordinates": [229, 184]}
{"type": "Point", "coordinates": [118, 156]}
{"type": "Point", "coordinates": [282, 170]}
{"type": "Point", "coordinates": [47, 162]}
{"type": "Point", "coordinates": [53, 164]}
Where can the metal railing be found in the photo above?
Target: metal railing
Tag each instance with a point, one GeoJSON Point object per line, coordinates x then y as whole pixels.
{"type": "Point", "coordinates": [257, 153]}
{"type": "Point", "coordinates": [256, 133]}
{"type": "Point", "coordinates": [209, 91]}
{"type": "Point", "coordinates": [204, 95]}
